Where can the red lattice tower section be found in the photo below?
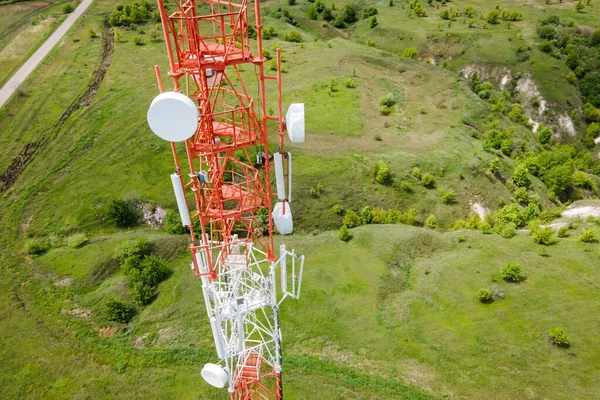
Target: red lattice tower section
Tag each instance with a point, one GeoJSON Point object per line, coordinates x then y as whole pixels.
{"type": "Point", "coordinates": [207, 43]}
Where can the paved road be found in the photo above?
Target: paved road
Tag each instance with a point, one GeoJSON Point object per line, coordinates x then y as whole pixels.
{"type": "Point", "coordinates": [30, 65]}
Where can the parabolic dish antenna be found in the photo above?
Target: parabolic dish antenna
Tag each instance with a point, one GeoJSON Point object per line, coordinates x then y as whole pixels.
{"type": "Point", "coordinates": [215, 375]}
{"type": "Point", "coordinates": [173, 116]}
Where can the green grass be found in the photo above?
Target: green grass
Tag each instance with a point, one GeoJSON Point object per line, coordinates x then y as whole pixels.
{"type": "Point", "coordinates": [351, 331]}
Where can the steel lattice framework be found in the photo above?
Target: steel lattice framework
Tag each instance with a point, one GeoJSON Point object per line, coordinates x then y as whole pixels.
{"type": "Point", "coordinates": [232, 242]}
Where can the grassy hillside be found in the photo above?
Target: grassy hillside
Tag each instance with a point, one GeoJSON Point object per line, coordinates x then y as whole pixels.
{"type": "Point", "coordinates": [393, 313]}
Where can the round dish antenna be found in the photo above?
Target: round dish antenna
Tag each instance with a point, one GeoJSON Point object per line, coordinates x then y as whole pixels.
{"type": "Point", "coordinates": [215, 375]}
{"type": "Point", "coordinates": [173, 116]}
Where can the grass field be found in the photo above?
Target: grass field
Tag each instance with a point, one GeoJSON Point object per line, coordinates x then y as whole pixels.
{"type": "Point", "coordinates": [393, 313]}
{"type": "Point", "coordinates": [378, 319]}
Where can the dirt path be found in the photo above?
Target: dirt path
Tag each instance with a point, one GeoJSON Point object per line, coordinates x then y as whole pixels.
{"type": "Point", "coordinates": [30, 65]}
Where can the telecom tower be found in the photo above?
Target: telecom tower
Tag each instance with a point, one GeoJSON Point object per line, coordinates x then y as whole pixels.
{"type": "Point", "coordinates": [232, 245]}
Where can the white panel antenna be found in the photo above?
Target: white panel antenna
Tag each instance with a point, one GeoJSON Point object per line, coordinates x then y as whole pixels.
{"type": "Point", "coordinates": [294, 122]}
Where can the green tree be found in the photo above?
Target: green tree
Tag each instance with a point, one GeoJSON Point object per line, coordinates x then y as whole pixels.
{"type": "Point", "coordinates": [121, 213]}
{"type": "Point", "coordinates": [449, 197]}
{"type": "Point", "coordinates": [511, 272]}
{"type": "Point", "coordinates": [495, 165]}
{"type": "Point", "coordinates": [485, 296]}
{"type": "Point", "coordinates": [410, 52]}
{"type": "Point", "coordinates": [558, 179]}
{"type": "Point", "coordinates": [68, 8]}
{"type": "Point", "coordinates": [431, 221]}
{"type": "Point", "coordinates": [344, 233]}
{"type": "Point", "coordinates": [172, 223]}
{"type": "Point", "coordinates": [589, 236]}
{"type": "Point", "coordinates": [558, 337]}
{"type": "Point", "coordinates": [544, 134]}
{"type": "Point", "coordinates": [369, 12]}
{"type": "Point", "coordinates": [373, 22]}
{"type": "Point", "coordinates": [351, 219]}
{"type": "Point", "coordinates": [520, 175]}
{"type": "Point", "coordinates": [118, 311]}
{"type": "Point", "coordinates": [428, 181]}
{"type": "Point", "coordinates": [312, 13]}
{"type": "Point", "coordinates": [339, 23]}
{"type": "Point", "coordinates": [579, 6]}
{"type": "Point", "coordinates": [349, 14]}
{"type": "Point", "coordinates": [492, 17]}
{"type": "Point", "coordinates": [381, 173]}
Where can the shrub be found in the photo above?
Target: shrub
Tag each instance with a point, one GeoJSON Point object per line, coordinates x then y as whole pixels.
{"type": "Point", "coordinates": [350, 83]}
{"type": "Point", "coordinates": [546, 46]}
{"type": "Point", "coordinates": [320, 6]}
{"type": "Point", "coordinates": [118, 311]}
{"type": "Point", "coordinates": [388, 100]}
{"type": "Point", "coordinates": [558, 337]}
{"type": "Point", "coordinates": [428, 181]}
{"type": "Point", "coordinates": [291, 2]}
{"type": "Point", "coordinates": [137, 40]}
{"type": "Point", "coordinates": [521, 195]}
{"type": "Point", "coordinates": [507, 230]}
{"type": "Point", "coordinates": [338, 209]}
{"type": "Point", "coordinates": [511, 213]}
{"type": "Point", "coordinates": [68, 8]}
{"type": "Point", "coordinates": [268, 32]}
{"type": "Point", "coordinates": [140, 292]}
{"type": "Point", "coordinates": [77, 240]}
{"type": "Point", "coordinates": [385, 110]}
{"type": "Point", "coordinates": [511, 272]}
{"type": "Point", "coordinates": [293, 36]}
{"type": "Point", "coordinates": [546, 32]}
{"type": "Point", "coordinates": [351, 219]}
{"type": "Point", "coordinates": [369, 12]}
{"type": "Point", "coordinates": [485, 296]}
{"type": "Point", "coordinates": [492, 17]}
{"type": "Point", "coordinates": [558, 178]}
{"type": "Point", "coordinates": [327, 14]}
{"type": "Point", "coordinates": [312, 13]}
{"type": "Point", "coordinates": [582, 180]}
{"type": "Point", "coordinates": [416, 173]}
{"type": "Point", "coordinates": [366, 215]}
{"type": "Point", "coordinates": [339, 22]}
{"type": "Point", "coordinates": [379, 216]}
{"type": "Point", "coordinates": [544, 134]}
{"type": "Point", "coordinates": [542, 236]}
{"type": "Point", "coordinates": [495, 165]}
{"type": "Point", "coordinates": [134, 249]}
{"type": "Point", "coordinates": [431, 222]}
{"type": "Point", "coordinates": [373, 22]}
{"type": "Point", "coordinates": [172, 223]}
{"type": "Point", "coordinates": [349, 14]}
{"type": "Point", "coordinates": [344, 233]}
{"type": "Point", "coordinates": [36, 247]}
{"type": "Point", "coordinates": [406, 187]}
{"type": "Point", "coordinates": [92, 33]}
{"type": "Point", "coordinates": [121, 213]}
{"type": "Point", "coordinates": [143, 276]}
{"type": "Point", "coordinates": [381, 173]}
{"type": "Point", "coordinates": [563, 232]}
{"type": "Point", "coordinates": [449, 197]}
{"type": "Point", "coordinates": [589, 236]}
{"type": "Point", "coordinates": [410, 52]}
